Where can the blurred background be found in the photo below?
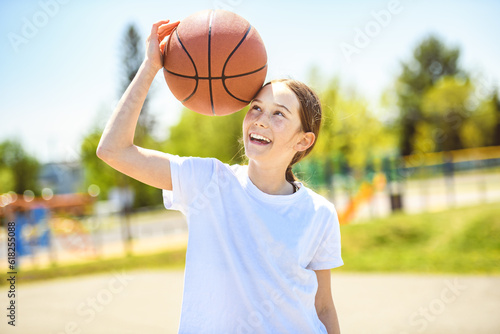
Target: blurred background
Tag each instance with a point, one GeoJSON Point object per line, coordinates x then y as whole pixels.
{"type": "Point", "coordinates": [409, 150]}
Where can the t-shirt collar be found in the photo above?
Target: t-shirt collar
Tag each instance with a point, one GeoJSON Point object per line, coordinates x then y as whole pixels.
{"type": "Point", "coordinates": [259, 194]}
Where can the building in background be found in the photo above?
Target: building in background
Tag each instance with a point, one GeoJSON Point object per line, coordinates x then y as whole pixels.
{"type": "Point", "coordinates": [62, 178]}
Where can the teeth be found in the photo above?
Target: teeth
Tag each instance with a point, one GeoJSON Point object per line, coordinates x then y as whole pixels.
{"type": "Point", "coordinates": [256, 136]}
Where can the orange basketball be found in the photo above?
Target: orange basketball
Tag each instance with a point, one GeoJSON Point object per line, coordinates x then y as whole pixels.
{"type": "Point", "coordinates": [215, 62]}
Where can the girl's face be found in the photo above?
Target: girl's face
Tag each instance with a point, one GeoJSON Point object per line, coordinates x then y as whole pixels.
{"type": "Point", "coordinates": [272, 126]}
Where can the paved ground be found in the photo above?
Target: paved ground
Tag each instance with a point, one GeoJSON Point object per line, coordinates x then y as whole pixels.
{"type": "Point", "coordinates": [149, 302]}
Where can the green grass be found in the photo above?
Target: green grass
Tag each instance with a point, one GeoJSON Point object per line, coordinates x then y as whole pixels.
{"type": "Point", "coordinates": [462, 240]}
{"type": "Point", "coordinates": [166, 260]}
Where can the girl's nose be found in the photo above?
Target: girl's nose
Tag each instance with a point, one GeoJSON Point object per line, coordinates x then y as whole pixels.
{"type": "Point", "coordinates": [261, 120]}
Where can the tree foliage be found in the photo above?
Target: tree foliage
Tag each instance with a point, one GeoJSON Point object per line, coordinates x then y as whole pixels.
{"type": "Point", "coordinates": [350, 129]}
{"type": "Point", "coordinates": [444, 111]}
{"type": "Point", "coordinates": [208, 136]}
{"type": "Point", "coordinates": [99, 173]}
{"type": "Point", "coordinates": [18, 169]}
{"type": "Point", "coordinates": [431, 60]}
{"type": "Point", "coordinates": [495, 106]}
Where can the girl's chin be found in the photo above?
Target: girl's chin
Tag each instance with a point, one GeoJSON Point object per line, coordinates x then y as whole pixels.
{"type": "Point", "coordinates": [255, 154]}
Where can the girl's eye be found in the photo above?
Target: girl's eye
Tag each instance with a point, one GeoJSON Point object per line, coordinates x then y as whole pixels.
{"type": "Point", "coordinates": [279, 113]}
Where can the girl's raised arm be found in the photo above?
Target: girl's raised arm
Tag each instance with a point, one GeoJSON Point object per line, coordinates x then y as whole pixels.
{"type": "Point", "coordinates": [116, 146]}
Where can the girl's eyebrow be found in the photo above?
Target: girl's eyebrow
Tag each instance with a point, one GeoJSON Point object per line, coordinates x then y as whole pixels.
{"type": "Point", "coordinates": [276, 104]}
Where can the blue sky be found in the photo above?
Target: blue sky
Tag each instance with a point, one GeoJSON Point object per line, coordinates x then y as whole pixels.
{"type": "Point", "coordinates": [60, 59]}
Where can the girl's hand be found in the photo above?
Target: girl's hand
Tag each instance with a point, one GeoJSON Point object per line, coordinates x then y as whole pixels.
{"type": "Point", "coordinates": [156, 43]}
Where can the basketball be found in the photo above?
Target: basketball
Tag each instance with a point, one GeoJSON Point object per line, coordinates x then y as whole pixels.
{"type": "Point", "coordinates": [215, 62]}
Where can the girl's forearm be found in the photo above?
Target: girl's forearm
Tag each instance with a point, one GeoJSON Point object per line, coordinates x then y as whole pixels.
{"type": "Point", "coordinates": [329, 318]}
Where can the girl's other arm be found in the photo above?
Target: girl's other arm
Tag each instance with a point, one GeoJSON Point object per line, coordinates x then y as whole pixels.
{"type": "Point", "coordinates": [324, 303]}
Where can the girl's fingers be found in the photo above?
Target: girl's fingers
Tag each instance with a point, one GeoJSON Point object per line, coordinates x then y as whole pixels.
{"type": "Point", "coordinates": [154, 29]}
{"type": "Point", "coordinates": [162, 36]}
{"type": "Point", "coordinates": [167, 27]}
{"type": "Point", "coordinates": [166, 30]}
{"type": "Point", "coordinates": [162, 44]}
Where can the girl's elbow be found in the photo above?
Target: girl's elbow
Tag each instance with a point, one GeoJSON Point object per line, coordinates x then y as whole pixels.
{"type": "Point", "coordinates": [104, 153]}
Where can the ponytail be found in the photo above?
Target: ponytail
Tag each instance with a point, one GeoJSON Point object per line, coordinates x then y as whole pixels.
{"type": "Point", "coordinates": [290, 177]}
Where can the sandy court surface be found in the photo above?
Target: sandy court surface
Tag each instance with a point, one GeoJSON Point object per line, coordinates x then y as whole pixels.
{"type": "Point", "coordinates": [150, 301]}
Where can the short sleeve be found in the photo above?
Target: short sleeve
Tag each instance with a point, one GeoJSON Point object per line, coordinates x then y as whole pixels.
{"type": "Point", "coordinates": [328, 253]}
{"type": "Point", "coordinates": [189, 176]}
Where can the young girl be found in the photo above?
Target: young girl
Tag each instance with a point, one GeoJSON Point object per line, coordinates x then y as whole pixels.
{"type": "Point", "coordinates": [261, 244]}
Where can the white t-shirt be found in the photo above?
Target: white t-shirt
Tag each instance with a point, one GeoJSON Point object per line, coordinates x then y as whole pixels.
{"type": "Point", "coordinates": [250, 255]}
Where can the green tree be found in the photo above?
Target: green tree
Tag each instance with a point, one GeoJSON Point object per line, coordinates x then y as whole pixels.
{"type": "Point", "coordinates": [443, 107]}
{"type": "Point", "coordinates": [208, 136]}
{"type": "Point", "coordinates": [495, 101]}
{"type": "Point", "coordinates": [329, 97]}
{"type": "Point", "coordinates": [350, 129]}
{"type": "Point", "coordinates": [99, 173]}
{"type": "Point", "coordinates": [431, 60]}
{"type": "Point", "coordinates": [483, 126]}
{"type": "Point", "coordinates": [19, 166]}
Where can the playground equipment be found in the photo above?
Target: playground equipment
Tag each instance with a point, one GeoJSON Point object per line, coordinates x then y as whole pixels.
{"type": "Point", "coordinates": [364, 194]}
{"type": "Point", "coordinates": [39, 220]}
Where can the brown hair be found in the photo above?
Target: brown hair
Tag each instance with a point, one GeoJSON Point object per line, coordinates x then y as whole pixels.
{"type": "Point", "coordinates": [310, 117]}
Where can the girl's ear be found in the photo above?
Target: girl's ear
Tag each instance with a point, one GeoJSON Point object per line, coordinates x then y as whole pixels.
{"type": "Point", "coordinates": [305, 142]}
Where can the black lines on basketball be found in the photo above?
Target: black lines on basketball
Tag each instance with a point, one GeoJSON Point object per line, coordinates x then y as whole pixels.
{"type": "Point", "coordinates": [225, 63]}
{"type": "Point", "coordinates": [235, 76]}
{"type": "Point", "coordinates": [216, 78]}
{"type": "Point", "coordinates": [227, 60]}
{"type": "Point", "coordinates": [212, 14]}
{"type": "Point", "coordinates": [234, 50]}
{"type": "Point", "coordinates": [192, 61]}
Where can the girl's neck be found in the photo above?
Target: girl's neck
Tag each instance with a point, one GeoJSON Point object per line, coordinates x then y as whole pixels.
{"type": "Point", "coordinates": [270, 180]}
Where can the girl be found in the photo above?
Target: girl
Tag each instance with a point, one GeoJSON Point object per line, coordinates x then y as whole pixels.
{"type": "Point", "coordinates": [261, 244]}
